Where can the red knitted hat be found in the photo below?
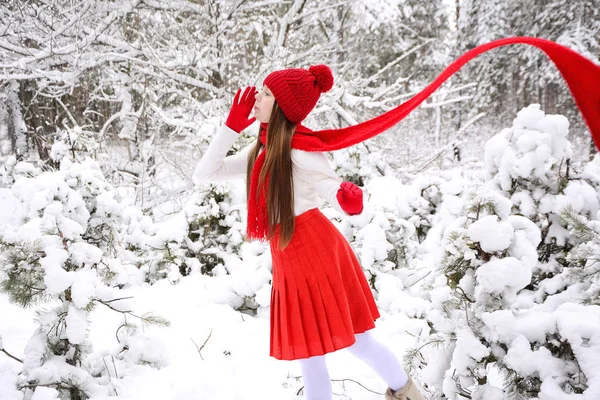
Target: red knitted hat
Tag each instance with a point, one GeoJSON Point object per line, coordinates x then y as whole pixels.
{"type": "Point", "coordinates": [297, 90]}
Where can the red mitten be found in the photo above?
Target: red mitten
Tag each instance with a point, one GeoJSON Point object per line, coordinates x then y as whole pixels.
{"type": "Point", "coordinates": [350, 198]}
{"type": "Point", "coordinates": [240, 110]}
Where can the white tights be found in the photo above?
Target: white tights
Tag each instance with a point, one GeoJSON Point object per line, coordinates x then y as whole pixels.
{"type": "Point", "coordinates": [317, 385]}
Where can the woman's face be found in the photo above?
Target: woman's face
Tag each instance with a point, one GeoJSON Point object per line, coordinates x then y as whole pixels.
{"type": "Point", "coordinates": [264, 105]}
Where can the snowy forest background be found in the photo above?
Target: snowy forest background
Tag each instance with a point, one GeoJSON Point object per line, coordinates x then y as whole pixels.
{"type": "Point", "coordinates": [121, 277]}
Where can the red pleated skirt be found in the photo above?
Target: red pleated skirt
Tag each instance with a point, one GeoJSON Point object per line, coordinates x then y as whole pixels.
{"type": "Point", "coordinates": [320, 297]}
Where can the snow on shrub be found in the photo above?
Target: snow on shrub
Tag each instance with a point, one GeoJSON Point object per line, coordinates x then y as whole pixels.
{"type": "Point", "coordinates": [511, 316]}
{"type": "Point", "coordinates": [60, 249]}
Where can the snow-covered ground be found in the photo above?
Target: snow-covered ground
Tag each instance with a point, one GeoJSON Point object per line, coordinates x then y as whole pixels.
{"type": "Point", "coordinates": [233, 362]}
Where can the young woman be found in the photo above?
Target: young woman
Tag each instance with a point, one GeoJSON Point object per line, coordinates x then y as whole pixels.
{"type": "Point", "coordinates": [320, 301]}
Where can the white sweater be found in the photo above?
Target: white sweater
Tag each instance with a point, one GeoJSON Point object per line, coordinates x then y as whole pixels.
{"type": "Point", "coordinates": [311, 173]}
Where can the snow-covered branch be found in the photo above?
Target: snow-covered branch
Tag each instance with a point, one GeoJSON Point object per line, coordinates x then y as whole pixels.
{"type": "Point", "coordinates": [286, 20]}
{"type": "Point", "coordinates": [396, 61]}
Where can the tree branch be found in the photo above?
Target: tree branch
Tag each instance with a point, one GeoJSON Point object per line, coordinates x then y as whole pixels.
{"type": "Point", "coordinates": [11, 356]}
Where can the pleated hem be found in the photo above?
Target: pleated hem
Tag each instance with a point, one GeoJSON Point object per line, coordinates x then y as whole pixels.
{"type": "Point", "coordinates": [297, 356]}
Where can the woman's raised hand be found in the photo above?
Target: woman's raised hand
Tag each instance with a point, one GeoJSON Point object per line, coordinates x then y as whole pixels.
{"type": "Point", "coordinates": [238, 118]}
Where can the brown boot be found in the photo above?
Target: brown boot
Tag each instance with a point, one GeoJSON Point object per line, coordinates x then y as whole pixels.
{"type": "Point", "coordinates": [408, 392]}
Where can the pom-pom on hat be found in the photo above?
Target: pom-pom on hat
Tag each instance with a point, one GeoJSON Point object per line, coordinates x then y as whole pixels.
{"type": "Point", "coordinates": [297, 90]}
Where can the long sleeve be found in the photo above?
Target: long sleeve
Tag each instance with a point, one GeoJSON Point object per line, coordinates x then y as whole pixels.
{"type": "Point", "coordinates": [314, 168]}
{"type": "Point", "coordinates": [215, 165]}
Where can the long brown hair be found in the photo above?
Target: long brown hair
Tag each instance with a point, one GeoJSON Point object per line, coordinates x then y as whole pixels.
{"type": "Point", "coordinates": [278, 166]}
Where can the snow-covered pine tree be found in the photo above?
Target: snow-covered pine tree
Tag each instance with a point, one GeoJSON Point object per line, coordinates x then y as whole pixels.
{"type": "Point", "coordinates": [499, 307]}
{"type": "Point", "coordinates": [63, 234]}
{"type": "Point", "coordinates": [397, 217]}
{"type": "Point", "coordinates": [197, 238]}
{"type": "Point", "coordinates": [216, 226]}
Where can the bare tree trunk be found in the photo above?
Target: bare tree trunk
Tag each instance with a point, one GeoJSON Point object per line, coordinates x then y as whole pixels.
{"type": "Point", "coordinates": [36, 132]}
{"type": "Point", "coordinates": [457, 8]}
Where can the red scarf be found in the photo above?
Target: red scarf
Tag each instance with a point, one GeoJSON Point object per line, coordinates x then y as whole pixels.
{"type": "Point", "coordinates": [582, 77]}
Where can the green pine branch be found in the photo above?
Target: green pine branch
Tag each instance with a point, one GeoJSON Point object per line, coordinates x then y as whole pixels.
{"type": "Point", "coordinates": [23, 275]}
{"type": "Point", "coordinates": [578, 224]}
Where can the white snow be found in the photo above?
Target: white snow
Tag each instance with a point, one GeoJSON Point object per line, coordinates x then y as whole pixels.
{"type": "Point", "coordinates": [76, 322]}
{"type": "Point", "coordinates": [373, 245]}
{"type": "Point", "coordinates": [491, 234]}
{"type": "Point", "coordinates": [83, 288]}
{"type": "Point", "coordinates": [526, 362]}
{"type": "Point", "coordinates": [56, 278]}
{"type": "Point", "coordinates": [45, 393]}
{"type": "Point", "coordinates": [468, 350]}
{"type": "Point", "coordinates": [502, 275]}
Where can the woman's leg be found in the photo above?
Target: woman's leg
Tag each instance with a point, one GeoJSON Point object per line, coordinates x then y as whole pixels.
{"type": "Point", "coordinates": [381, 359]}
{"type": "Point", "coordinates": [317, 385]}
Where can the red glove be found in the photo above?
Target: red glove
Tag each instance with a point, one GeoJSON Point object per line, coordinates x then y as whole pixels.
{"type": "Point", "coordinates": [240, 110]}
{"type": "Point", "coordinates": [350, 198]}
